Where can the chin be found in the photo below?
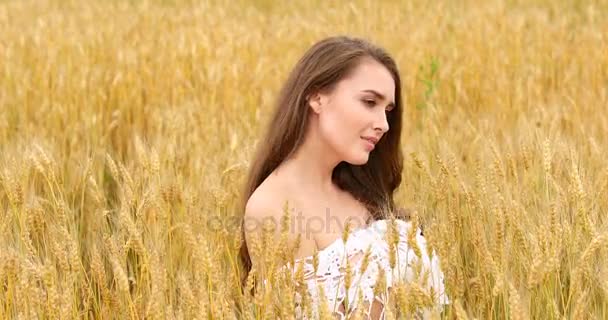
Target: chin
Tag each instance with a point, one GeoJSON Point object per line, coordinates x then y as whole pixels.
{"type": "Point", "coordinates": [359, 160]}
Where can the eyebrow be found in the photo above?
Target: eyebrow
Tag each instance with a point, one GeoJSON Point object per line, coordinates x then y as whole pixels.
{"type": "Point", "coordinates": [380, 96]}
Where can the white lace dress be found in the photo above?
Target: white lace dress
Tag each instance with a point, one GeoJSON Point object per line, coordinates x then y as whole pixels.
{"type": "Point", "coordinates": [332, 262]}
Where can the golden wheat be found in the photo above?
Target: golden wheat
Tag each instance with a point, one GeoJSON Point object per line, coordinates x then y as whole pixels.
{"type": "Point", "coordinates": [126, 130]}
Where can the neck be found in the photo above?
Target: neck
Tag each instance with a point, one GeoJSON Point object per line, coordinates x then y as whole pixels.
{"type": "Point", "coordinates": [312, 165]}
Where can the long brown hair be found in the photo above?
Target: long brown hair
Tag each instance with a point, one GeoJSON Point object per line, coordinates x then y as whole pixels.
{"type": "Point", "coordinates": [322, 66]}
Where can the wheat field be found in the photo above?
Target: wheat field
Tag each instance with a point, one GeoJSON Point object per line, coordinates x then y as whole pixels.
{"type": "Point", "coordinates": [127, 127]}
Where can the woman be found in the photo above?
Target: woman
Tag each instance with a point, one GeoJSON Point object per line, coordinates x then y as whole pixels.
{"type": "Point", "coordinates": [332, 153]}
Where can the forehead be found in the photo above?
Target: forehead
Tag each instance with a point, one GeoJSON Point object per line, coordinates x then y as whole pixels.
{"type": "Point", "coordinates": [371, 75]}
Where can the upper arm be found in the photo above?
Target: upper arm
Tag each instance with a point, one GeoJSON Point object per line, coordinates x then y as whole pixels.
{"type": "Point", "coordinates": [260, 214]}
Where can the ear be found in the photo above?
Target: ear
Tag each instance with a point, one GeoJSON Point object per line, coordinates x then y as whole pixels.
{"type": "Point", "coordinates": [315, 102]}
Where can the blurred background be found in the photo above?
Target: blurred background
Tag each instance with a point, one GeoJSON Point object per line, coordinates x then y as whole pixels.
{"type": "Point", "coordinates": [127, 126]}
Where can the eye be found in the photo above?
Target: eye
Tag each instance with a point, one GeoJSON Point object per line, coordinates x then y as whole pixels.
{"type": "Point", "coordinates": [369, 102]}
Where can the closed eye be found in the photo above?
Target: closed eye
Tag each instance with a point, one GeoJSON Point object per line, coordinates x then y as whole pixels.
{"type": "Point", "coordinates": [372, 103]}
{"type": "Point", "coordinates": [369, 102]}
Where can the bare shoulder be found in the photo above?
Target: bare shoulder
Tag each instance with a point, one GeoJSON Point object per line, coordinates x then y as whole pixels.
{"type": "Point", "coordinates": [266, 207]}
{"type": "Point", "coordinates": [267, 201]}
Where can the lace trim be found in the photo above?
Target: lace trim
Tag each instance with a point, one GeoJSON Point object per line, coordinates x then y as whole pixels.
{"type": "Point", "coordinates": [372, 240]}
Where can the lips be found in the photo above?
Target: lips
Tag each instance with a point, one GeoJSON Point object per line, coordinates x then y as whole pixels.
{"type": "Point", "coordinates": [373, 140]}
{"type": "Point", "coordinates": [369, 144]}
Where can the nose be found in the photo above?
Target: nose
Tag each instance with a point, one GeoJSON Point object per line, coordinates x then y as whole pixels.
{"type": "Point", "coordinates": [381, 123]}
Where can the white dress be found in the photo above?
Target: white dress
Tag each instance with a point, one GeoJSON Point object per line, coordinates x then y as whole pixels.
{"type": "Point", "coordinates": [332, 261]}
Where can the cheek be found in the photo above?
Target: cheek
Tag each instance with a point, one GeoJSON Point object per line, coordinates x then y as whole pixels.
{"type": "Point", "coordinates": [333, 131]}
{"type": "Point", "coordinates": [341, 128]}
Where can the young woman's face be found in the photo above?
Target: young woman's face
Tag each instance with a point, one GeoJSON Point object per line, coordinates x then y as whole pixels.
{"type": "Point", "coordinates": [355, 111]}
